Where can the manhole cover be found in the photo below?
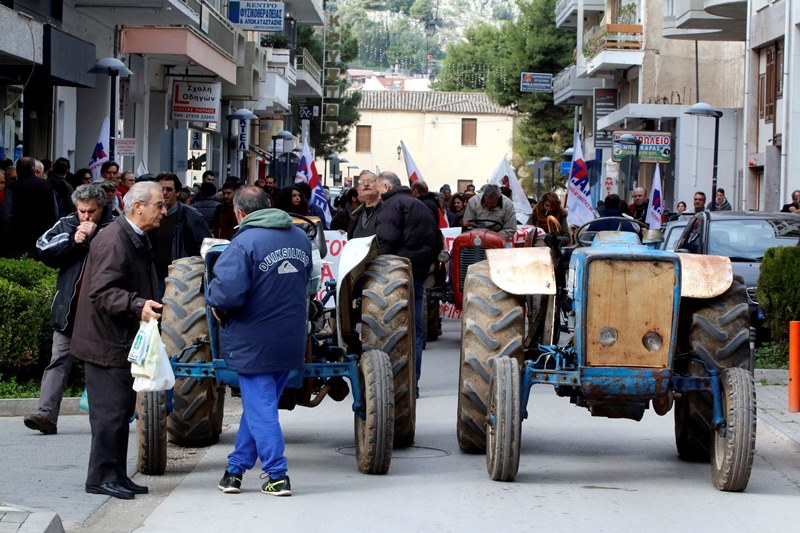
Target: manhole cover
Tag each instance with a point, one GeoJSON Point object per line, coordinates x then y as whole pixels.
{"type": "Point", "coordinates": [413, 452]}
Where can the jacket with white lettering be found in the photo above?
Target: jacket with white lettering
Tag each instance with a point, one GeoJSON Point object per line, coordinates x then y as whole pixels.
{"type": "Point", "coordinates": [259, 285]}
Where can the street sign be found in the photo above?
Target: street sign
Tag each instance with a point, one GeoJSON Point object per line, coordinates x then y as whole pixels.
{"type": "Point", "coordinates": [197, 143]}
{"type": "Point", "coordinates": [605, 103]}
{"type": "Point", "coordinates": [656, 146]}
{"type": "Point", "coordinates": [535, 82]}
{"type": "Point", "coordinates": [306, 111]}
{"type": "Point", "coordinates": [244, 132]}
{"type": "Point", "coordinates": [256, 15]}
{"type": "Point", "coordinates": [125, 147]}
{"type": "Point", "coordinates": [566, 166]}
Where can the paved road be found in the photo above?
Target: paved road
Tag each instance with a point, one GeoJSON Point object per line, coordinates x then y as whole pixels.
{"type": "Point", "coordinates": [576, 472]}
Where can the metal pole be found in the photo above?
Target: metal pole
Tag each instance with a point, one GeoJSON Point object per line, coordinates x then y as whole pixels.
{"type": "Point", "coordinates": [636, 174]}
{"type": "Point", "coordinates": [538, 184]}
{"type": "Point", "coordinates": [112, 130]}
{"type": "Point", "coordinates": [716, 160]}
{"type": "Point", "coordinates": [325, 173]}
{"type": "Point", "coordinates": [696, 72]}
{"type": "Point", "coordinates": [794, 366]}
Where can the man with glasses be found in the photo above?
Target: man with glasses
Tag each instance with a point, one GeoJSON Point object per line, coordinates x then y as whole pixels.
{"type": "Point", "coordinates": [639, 206]}
{"type": "Point", "coordinates": [699, 202]}
{"type": "Point", "coordinates": [180, 233]}
{"type": "Point", "coordinates": [362, 220]}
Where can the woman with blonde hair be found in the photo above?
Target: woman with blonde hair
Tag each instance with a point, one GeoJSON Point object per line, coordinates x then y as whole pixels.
{"type": "Point", "coordinates": [549, 215]}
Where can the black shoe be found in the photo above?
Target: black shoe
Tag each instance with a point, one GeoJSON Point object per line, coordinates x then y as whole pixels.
{"type": "Point", "coordinates": [230, 483]}
{"type": "Point", "coordinates": [38, 422]}
{"type": "Point", "coordinates": [133, 487]}
{"type": "Point", "coordinates": [113, 488]}
{"type": "Point", "coordinates": [277, 487]}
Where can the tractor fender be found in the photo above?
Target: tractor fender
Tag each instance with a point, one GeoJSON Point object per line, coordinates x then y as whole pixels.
{"type": "Point", "coordinates": [352, 263]}
{"type": "Point", "coordinates": [522, 270]}
{"type": "Point", "coordinates": [704, 276]}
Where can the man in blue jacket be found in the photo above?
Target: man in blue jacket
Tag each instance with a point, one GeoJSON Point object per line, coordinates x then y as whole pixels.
{"type": "Point", "coordinates": [258, 294]}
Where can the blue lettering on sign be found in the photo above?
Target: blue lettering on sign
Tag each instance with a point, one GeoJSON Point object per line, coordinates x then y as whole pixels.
{"type": "Point", "coordinates": [242, 134]}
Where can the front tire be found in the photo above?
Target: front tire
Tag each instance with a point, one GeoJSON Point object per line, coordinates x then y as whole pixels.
{"type": "Point", "coordinates": [504, 421]}
{"type": "Point", "coordinates": [387, 315]}
{"type": "Point", "coordinates": [151, 433]}
{"type": "Point", "coordinates": [493, 325]}
{"type": "Point", "coordinates": [732, 454]}
{"type": "Point", "coordinates": [374, 434]}
{"type": "Point", "coordinates": [198, 404]}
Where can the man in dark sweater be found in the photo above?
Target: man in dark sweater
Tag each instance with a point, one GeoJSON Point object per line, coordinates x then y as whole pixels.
{"type": "Point", "coordinates": [29, 209]}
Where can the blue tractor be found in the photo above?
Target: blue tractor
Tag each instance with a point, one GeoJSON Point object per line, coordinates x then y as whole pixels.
{"type": "Point", "coordinates": [367, 341]}
{"type": "Point", "coordinates": [651, 329]}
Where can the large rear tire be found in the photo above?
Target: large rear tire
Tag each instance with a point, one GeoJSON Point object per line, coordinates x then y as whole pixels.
{"type": "Point", "coordinates": [387, 315]}
{"type": "Point", "coordinates": [732, 453]}
{"type": "Point", "coordinates": [198, 404]}
{"type": "Point", "coordinates": [493, 325]}
{"type": "Point", "coordinates": [720, 329]}
{"type": "Point", "coordinates": [504, 423]}
{"type": "Point", "coordinates": [151, 433]}
{"type": "Point", "coordinates": [374, 434]}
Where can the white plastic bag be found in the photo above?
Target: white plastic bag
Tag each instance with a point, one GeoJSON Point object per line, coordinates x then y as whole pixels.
{"type": "Point", "coordinates": [141, 343]}
{"type": "Point", "coordinates": [156, 373]}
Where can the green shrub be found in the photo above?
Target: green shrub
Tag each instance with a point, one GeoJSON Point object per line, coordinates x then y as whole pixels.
{"type": "Point", "coordinates": [27, 288]}
{"type": "Point", "coordinates": [778, 292]}
{"type": "Point", "coordinates": [773, 354]}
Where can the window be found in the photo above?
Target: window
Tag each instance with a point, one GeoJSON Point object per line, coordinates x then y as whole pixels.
{"type": "Point", "coordinates": [770, 90]}
{"type": "Point", "coordinates": [761, 78]}
{"type": "Point", "coordinates": [469, 132]}
{"type": "Point", "coordinates": [363, 138]}
{"type": "Point", "coordinates": [779, 68]}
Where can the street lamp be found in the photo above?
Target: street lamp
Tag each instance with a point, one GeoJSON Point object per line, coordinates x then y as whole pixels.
{"type": "Point", "coordinates": [238, 116]}
{"type": "Point", "coordinates": [333, 158]}
{"type": "Point", "coordinates": [631, 140]}
{"type": "Point", "coordinates": [284, 136]}
{"type": "Point", "coordinates": [552, 162]}
{"type": "Point", "coordinates": [701, 109]}
{"type": "Point", "coordinates": [115, 69]}
{"type": "Point", "coordinates": [537, 177]}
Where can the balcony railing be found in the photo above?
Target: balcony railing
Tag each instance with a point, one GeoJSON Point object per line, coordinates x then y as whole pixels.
{"type": "Point", "coordinates": [306, 63]}
{"type": "Point", "coordinates": [612, 37]}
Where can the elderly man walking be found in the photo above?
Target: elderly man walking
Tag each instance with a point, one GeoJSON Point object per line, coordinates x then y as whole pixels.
{"type": "Point", "coordinates": [65, 246]}
{"type": "Point", "coordinates": [119, 289]}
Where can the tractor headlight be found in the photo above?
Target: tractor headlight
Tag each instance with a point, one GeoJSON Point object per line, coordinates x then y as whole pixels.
{"type": "Point", "coordinates": [607, 336]}
{"type": "Point", "coordinates": [652, 341]}
{"type": "Point", "coordinates": [444, 256]}
{"type": "Point", "coordinates": [477, 241]}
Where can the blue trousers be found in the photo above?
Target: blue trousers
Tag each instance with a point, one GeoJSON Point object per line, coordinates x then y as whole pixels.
{"type": "Point", "coordinates": [260, 435]}
{"type": "Point", "coordinates": [419, 300]}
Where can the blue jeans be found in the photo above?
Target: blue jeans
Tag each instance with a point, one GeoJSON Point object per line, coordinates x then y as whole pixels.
{"type": "Point", "coordinates": [259, 435]}
{"type": "Point", "coordinates": [419, 300]}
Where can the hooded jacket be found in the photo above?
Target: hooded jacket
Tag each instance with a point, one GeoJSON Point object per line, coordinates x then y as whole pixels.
{"type": "Point", "coordinates": [259, 284]}
{"type": "Point", "coordinates": [58, 249]}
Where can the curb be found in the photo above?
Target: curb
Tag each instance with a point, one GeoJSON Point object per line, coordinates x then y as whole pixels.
{"type": "Point", "coordinates": [21, 520]}
{"type": "Point", "coordinates": [25, 406]}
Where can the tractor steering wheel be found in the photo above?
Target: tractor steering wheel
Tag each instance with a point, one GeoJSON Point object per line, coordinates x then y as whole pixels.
{"type": "Point", "coordinates": [308, 225]}
{"type": "Point", "coordinates": [485, 223]}
{"type": "Point", "coordinates": [584, 236]}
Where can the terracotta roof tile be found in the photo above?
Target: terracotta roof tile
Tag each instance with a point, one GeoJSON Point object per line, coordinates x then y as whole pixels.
{"type": "Point", "coordinates": [433, 102]}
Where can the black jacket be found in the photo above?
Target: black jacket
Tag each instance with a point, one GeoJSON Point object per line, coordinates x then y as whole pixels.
{"type": "Point", "coordinates": [207, 207]}
{"type": "Point", "coordinates": [406, 227]}
{"type": "Point", "coordinates": [190, 230]}
{"type": "Point", "coordinates": [57, 249]}
{"type": "Point", "coordinates": [28, 211]}
{"type": "Point", "coordinates": [63, 192]}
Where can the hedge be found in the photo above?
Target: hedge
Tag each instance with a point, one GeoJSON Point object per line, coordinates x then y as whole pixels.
{"type": "Point", "coordinates": [27, 288]}
{"type": "Point", "coordinates": [778, 291]}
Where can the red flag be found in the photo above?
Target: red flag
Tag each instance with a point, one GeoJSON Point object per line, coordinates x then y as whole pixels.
{"type": "Point", "coordinates": [411, 168]}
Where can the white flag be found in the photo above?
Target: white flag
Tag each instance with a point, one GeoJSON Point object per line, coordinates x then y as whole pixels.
{"type": "Point", "coordinates": [100, 154]}
{"type": "Point", "coordinates": [579, 199]}
{"type": "Point", "coordinates": [411, 168]}
{"type": "Point", "coordinates": [656, 206]}
{"type": "Point", "coordinates": [504, 176]}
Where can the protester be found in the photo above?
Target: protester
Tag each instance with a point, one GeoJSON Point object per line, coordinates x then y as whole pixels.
{"type": "Point", "coordinates": [455, 213]}
{"type": "Point", "coordinates": [491, 205]}
{"type": "Point", "coordinates": [29, 209]}
{"type": "Point", "coordinates": [65, 246]}
{"type": "Point", "coordinates": [57, 178]}
{"type": "Point", "coordinates": [206, 202]}
{"type": "Point", "coordinates": [722, 203]}
{"type": "Point", "coordinates": [119, 289]}
{"type": "Point", "coordinates": [699, 202]}
{"type": "Point", "coordinates": [262, 307]}
{"type": "Point", "coordinates": [291, 200]}
{"type": "Point", "coordinates": [362, 221]}
{"type": "Point", "coordinates": [794, 206]}
{"type": "Point", "coordinates": [224, 224]}
{"type": "Point", "coordinates": [550, 217]}
{"type": "Point", "coordinates": [638, 209]}
{"type": "Point", "coordinates": [341, 221]}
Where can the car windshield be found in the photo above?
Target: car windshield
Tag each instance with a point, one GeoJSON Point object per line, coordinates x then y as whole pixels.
{"type": "Point", "coordinates": [747, 240]}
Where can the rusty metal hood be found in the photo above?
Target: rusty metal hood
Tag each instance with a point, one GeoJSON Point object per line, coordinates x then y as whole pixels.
{"type": "Point", "coordinates": [704, 276]}
{"type": "Point", "coordinates": [522, 270]}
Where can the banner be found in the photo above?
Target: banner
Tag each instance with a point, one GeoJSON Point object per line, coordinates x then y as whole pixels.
{"type": "Point", "coordinates": [100, 154]}
{"type": "Point", "coordinates": [579, 198]}
{"type": "Point", "coordinates": [655, 208]}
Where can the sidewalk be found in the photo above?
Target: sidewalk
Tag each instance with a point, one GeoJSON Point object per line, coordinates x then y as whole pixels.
{"type": "Point", "coordinates": [37, 470]}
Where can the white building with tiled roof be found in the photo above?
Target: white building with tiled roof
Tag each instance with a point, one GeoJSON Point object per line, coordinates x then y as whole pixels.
{"type": "Point", "coordinates": [454, 138]}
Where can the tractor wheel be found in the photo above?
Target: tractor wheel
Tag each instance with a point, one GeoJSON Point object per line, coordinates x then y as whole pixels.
{"type": "Point", "coordinates": [492, 325]}
{"type": "Point", "coordinates": [693, 414]}
{"type": "Point", "coordinates": [387, 315]}
{"type": "Point", "coordinates": [374, 434]}
{"type": "Point", "coordinates": [503, 427]}
{"type": "Point", "coordinates": [720, 329]}
{"type": "Point", "coordinates": [198, 404]}
{"type": "Point", "coordinates": [151, 433]}
{"type": "Point", "coordinates": [732, 453]}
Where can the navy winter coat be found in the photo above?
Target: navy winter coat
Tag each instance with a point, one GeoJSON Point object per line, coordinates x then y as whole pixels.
{"type": "Point", "coordinates": [259, 285]}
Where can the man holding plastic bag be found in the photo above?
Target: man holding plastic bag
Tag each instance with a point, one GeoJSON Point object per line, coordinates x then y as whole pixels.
{"type": "Point", "coordinates": [258, 294]}
{"type": "Point", "coordinates": [119, 290]}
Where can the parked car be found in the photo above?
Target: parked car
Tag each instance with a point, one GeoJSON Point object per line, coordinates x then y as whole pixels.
{"type": "Point", "coordinates": [672, 231]}
{"type": "Point", "coordinates": [743, 237]}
